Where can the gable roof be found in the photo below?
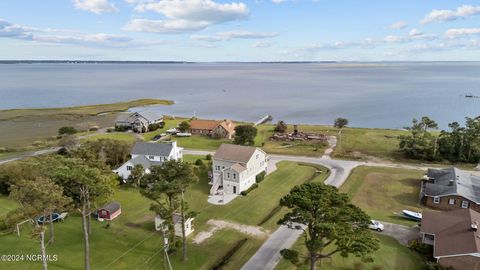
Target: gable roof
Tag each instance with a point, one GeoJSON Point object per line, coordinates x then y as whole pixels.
{"type": "Point", "coordinates": [145, 162]}
{"type": "Point", "coordinates": [112, 207]}
{"type": "Point", "coordinates": [453, 231]}
{"type": "Point", "coordinates": [452, 181]}
{"type": "Point", "coordinates": [203, 124]}
{"type": "Point", "coordinates": [149, 115]}
{"type": "Point", "coordinates": [233, 152]}
{"type": "Point", "coordinates": [238, 167]}
{"type": "Point", "coordinates": [153, 149]}
{"type": "Point", "coordinates": [122, 117]}
{"type": "Point", "coordinates": [228, 125]}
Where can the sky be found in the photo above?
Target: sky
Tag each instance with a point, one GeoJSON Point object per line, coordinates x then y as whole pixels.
{"type": "Point", "coordinates": [237, 30]}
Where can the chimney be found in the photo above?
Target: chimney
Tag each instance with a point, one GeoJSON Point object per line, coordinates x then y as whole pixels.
{"type": "Point", "coordinates": [474, 226]}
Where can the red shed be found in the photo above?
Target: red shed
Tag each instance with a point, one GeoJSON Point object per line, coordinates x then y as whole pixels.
{"type": "Point", "coordinates": [110, 211]}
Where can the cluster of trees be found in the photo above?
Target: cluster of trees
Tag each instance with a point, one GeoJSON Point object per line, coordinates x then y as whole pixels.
{"type": "Point", "coordinates": [458, 144]}
{"type": "Point", "coordinates": [331, 224]}
{"type": "Point", "coordinates": [184, 126]}
{"type": "Point", "coordinates": [56, 183]}
{"type": "Point", "coordinates": [165, 186]}
{"type": "Point", "coordinates": [245, 135]}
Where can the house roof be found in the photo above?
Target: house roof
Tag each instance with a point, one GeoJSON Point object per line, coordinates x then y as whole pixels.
{"type": "Point", "coordinates": [153, 149]}
{"type": "Point", "coordinates": [203, 124]}
{"type": "Point", "coordinates": [452, 181]}
{"type": "Point", "coordinates": [232, 152]}
{"type": "Point", "coordinates": [228, 125]}
{"type": "Point", "coordinates": [145, 162]}
{"type": "Point", "coordinates": [238, 167]}
{"type": "Point", "coordinates": [112, 207]}
{"type": "Point", "coordinates": [150, 116]}
{"type": "Point", "coordinates": [453, 231]}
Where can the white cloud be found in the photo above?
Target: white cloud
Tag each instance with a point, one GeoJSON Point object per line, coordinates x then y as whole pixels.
{"type": "Point", "coordinates": [95, 6]}
{"type": "Point", "coordinates": [279, 1]}
{"type": "Point", "coordinates": [443, 15]}
{"type": "Point", "coordinates": [461, 32]}
{"type": "Point", "coordinates": [413, 35]}
{"type": "Point", "coordinates": [237, 34]}
{"type": "Point", "coordinates": [63, 36]}
{"type": "Point", "coordinates": [186, 15]}
{"type": "Point", "coordinates": [398, 25]}
{"type": "Point", "coordinates": [262, 44]}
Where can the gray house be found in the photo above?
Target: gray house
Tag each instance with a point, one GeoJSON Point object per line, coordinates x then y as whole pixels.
{"type": "Point", "coordinates": [148, 155]}
{"type": "Point", "coordinates": [138, 120]}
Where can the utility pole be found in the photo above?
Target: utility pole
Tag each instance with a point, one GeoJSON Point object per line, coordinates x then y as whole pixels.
{"type": "Point", "coordinates": [166, 258]}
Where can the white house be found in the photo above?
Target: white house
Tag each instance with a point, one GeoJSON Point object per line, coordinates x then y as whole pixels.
{"type": "Point", "coordinates": [235, 168]}
{"type": "Point", "coordinates": [177, 221]}
{"type": "Point", "coordinates": [149, 154]}
{"type": "Point", "coordinates": [137, 120]}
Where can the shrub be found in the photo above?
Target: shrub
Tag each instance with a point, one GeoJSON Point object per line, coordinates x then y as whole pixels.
{"type": "Point", "coordinates": [421, 248]}
{"type": "Point", "coordinates": [67, 130]}
{"type": "Point", "coordinates": [121, 128]}
{"type": "Point", "coordinates": [377, 267]}
{"type": "Point", "coordinates": [245, 192]}
{"type": "Point", "coordinates": [436, 266]}
{"type": "Point", "coordinates": [259, 178]}
{"type": "Point", "coordinates": [153, 127]}
{"type": "Point", "coordinates": [224, 260]}
{"type": "Point", "coordinates": [3, 225]}
{"type": "Point", "coordinates": [161, 124]}
{"type": "Point", "coordinates": [110, 130]}
{"type": "Point", "coordinates": [144, 129]}
{"type": "Point", "coordinates": [208, 157]}
{"type": "Point", "coordinates": [199, 162]}
{"type": "Point", "coordinates": [290, 255]}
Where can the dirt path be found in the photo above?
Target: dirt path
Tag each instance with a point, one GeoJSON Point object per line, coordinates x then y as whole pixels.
{"type": "Point", "coordinates": [222, 224]}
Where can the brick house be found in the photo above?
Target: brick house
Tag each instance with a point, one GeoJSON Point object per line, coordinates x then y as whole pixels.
{"type": "Point", "coordinates": [213, 128]}
{"type": "Point", "coordinates": [450, 189]}
{"type": "Point", "coordinates": [454, 236]}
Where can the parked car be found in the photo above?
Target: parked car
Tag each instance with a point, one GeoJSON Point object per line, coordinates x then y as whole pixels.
{"type": "Point", "coordinates": [375, 225]}
{"type": "Point", "coordinates": [157, 137]}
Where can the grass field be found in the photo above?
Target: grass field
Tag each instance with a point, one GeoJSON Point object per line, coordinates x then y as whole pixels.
{"type": "Point", "coordinates": [390, 256]}
{"type": "Point", "coordinates": [121, 136]}
{"type": "Point", "coordinates": [131, 243]}
{"type": "Point", "coordinates": [6, 205]}
{"type": "Point", "coordinates": [384, 192]}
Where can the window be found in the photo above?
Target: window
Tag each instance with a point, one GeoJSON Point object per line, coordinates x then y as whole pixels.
{"type": "Point", "coordinates": [451, 201]}
{"type": "Point", "coordinates": [234, 176]}
{"type": "Point", "coordinates": [257, 156]}
{"type": "Point", "coordinates": [436, 200]}
{"type": "Point", "coordinates": [129, 168]}
{"type": "Point", "coordinates": [464, 204]}
{"type": "Point", "coordinates": [228, 175]}
{"type": "Point", "coordinates": [151, 157]}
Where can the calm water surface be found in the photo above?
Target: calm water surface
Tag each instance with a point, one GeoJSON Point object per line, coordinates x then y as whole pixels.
{"type": "Point", "coordinates": [370, 95]}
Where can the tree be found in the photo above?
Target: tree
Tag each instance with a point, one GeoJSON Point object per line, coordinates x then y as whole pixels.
{"type": "Point", "coordinates": [67, 131]}
{"type": "Point", "coordinates": [39, 197]}
{"type": "Point", "coordinates": [69, 143]}
{"type": "Point", "coordinates": [340, 122]}
{"type": "Point", "coordinates": [245, 135]}
{"type": "Point", "coordinates": [166, 186]}
{"type": "Point", "coordinates": [104, 152]}
{"type": "Point", "coordinates": [281, 127]}
{"type": "Point", "coordinates": [420, 143]}
{"type": "Point", "coordinates": [136, 174]}
{"type": "Point", "coordinates": [85, 185]}
{"type": "Point", "coordinates": [184, 126]}
{"type": "Point", "coordinates": [331, 224]}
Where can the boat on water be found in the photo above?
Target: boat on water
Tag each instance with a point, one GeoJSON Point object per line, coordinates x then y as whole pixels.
{"type": "Point", "coordinates": [412, 215]}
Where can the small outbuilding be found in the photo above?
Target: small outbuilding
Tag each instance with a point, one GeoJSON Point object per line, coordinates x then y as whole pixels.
{"type": "Point", "coordinates": [109, 211]}
{"type": "Point", "coordinates": [177, 221]}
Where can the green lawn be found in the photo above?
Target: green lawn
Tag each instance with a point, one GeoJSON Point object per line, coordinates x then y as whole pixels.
{"type": "Point", "coordinates": [6, 205]}
{"type": "Point", "coordinates": [384, 192]}
{"type": "Point", "coordinates": [121, 136]}
{"type": "Point", "coordinates": [390, 256]}
{"type": "Point", "coordinates": [130, 242]}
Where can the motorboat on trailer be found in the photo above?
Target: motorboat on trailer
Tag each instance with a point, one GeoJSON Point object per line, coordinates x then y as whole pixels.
{"type": "Point", "coordinates": [412, 215]}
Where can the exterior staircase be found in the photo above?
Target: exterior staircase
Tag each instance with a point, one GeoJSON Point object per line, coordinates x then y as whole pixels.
{"type": "Point", "coordinates": [217, 182]}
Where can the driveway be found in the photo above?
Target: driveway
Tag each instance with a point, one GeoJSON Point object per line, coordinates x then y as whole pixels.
{"type": "Point", "coordinates": [403, 234]}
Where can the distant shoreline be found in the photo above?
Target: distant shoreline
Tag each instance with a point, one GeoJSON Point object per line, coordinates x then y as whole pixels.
{"type": "Point", "coordinates": [213, 62]}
